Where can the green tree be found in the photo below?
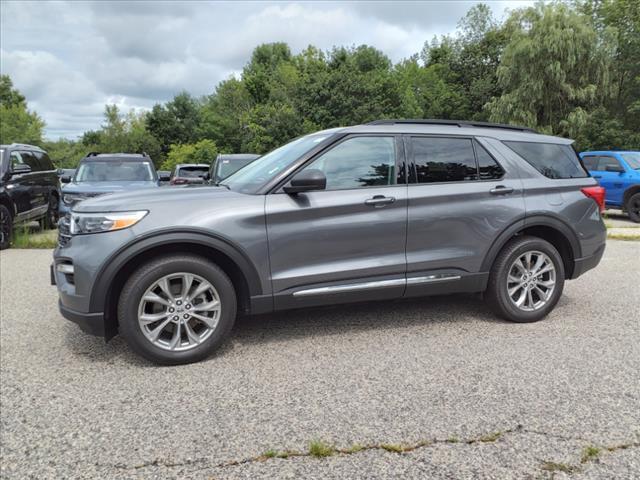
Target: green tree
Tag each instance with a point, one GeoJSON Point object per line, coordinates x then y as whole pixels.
{"type": "Point", "coordinates": [551, 67]}
{"type": "Point", "coordinates": [204, 151]}
{"type": "Point", "coordinates": [17, 123]}
{"type": "Point", "coordinates": [175, 122]}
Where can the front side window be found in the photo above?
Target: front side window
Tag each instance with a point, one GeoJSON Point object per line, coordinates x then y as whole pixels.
{"type": "Point", "coordinates": [30, 159]}
{"type": "Point", "coordinates": [552, 160]}
{"type": "Point", "coordinates": [114, 171]}
{"type": "Point", "coordinates": [606, 161]}
{"type": "Point", "coordinates": [443, 159]}
{"type": "Point", "coordinates": [358, 162]}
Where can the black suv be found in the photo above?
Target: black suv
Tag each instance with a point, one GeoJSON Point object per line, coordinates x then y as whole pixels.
{"type": "Point", "coordinates": [29, 188]}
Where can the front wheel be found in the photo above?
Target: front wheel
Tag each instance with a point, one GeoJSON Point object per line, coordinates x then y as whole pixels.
{"type": "Point", "coordinates": [177, 309]}
{"type": "Point", "coordinates": [6, 227]}
{"type": "Point", "coordinates": [633, 207]}
{"type": "Point", "coordinates": [526, 280]}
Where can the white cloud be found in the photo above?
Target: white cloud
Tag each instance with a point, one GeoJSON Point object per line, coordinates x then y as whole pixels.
{"type": "Point", "coordinates": [70, 58]}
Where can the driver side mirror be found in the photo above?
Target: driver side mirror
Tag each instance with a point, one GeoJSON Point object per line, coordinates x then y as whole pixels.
{"type": "Point", "coordinates": [20, 168]}
{"type": "Point", "coordinates": [615, 168]}
{"type": "Point", "coordinates": [65, 179]}
{"type": "Point", "coordinates": [307, 181]}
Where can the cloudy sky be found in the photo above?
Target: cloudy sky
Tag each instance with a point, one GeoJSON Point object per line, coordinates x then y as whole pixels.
{"type": "Point", "coordinates": [70, 58]}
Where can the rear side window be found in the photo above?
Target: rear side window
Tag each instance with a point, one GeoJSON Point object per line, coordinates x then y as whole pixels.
{"type": "Point", "coordinates": [550, 159]}
{"type": "Point", "coordinates": [590, 162]}
{"type": "Point", "coordinates": [444, 159]}
{"type": "Point", "coordinates": [487, 166]}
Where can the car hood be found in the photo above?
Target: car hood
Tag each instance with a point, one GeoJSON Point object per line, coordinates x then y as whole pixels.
{"type": "Point", "coordinates": [105, 187]}
{"type": "Point", "coordinates": [158, 199]}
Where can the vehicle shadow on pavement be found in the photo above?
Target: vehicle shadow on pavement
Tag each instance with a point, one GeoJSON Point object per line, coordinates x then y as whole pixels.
{"type": "Point", "coordinates": [313, 322]}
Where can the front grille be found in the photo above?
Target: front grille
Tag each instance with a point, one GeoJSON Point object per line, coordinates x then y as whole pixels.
{"type": "Point", "coordinates": [64, 230]}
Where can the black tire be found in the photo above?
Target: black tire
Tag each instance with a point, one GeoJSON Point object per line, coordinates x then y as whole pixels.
{"type": "Point", "coordinates": [6, 227]}
{"type": "Point", "coordinates": [50, 220]}
{"type": "Point", "coordinates": [144, 277]}
{"type": "Point", "coordinates": [633, 207]}
{"type": "Point", "coordinates": [497, 294]}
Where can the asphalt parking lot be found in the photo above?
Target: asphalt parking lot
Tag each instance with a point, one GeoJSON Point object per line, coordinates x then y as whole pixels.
{"type": "Point", "coordinates": [459, 393]}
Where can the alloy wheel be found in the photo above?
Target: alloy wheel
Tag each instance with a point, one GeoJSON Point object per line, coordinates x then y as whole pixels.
{"type": "Point", "coordinates": [531, 281]}
{"type": "Point", "coordinates": [179, 311]}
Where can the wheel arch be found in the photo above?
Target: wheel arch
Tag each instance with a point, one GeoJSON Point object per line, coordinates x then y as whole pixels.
{"type": "Point", "coordinates": [551, 229]}
{"type": "Point", "coordinates": [628, 193]}
{"type": "Point", "coordinates": [110, 280]}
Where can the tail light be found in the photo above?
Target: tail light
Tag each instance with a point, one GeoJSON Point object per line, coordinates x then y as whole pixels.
{"type": "Point", "coordinates": [597, 194]}
{"type": "Point", "coordinates": [178, 181]}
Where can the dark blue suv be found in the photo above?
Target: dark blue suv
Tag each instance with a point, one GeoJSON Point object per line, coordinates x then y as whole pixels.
{"type": "Point", "coordinates": [102, 173]}
{"type": "Point", "coordinates": [619, 174]}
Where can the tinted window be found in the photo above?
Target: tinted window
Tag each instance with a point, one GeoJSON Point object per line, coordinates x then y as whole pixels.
{"type": "Point", "coordinates": [227, 167]}
{"type": "Point", "coordinates": [16, 159]}
{"type": "Point", "coordinates": [550, 159]}
{"type": "Point", "coordinates": [30, 159]}
{"type": "Point", "coordinates": [608, 161]}
{"type": "Point", "coordinates": [45, 161]}
{"type": "Point", "coordinates": [590, 162]}
{"type": "Point", "coordinates": [487, 166]}
{"type": "Point", "coordinates": [192, 172]}
{"type": "Point", "coordinates": [359, 162]}
{"type": "Point", "coordinates": [444, 159]}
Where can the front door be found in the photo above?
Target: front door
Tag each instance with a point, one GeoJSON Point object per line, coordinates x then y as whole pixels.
{"type": "Point", "coordinates": [613, 182]}
{"type": "Point", "coordinates": [348, 241]}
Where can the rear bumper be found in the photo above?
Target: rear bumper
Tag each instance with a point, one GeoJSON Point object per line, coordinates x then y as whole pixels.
{"type": "Point", "coordinates": [92, 323]}
{"type": "Point", "coordinates": [582, 265]}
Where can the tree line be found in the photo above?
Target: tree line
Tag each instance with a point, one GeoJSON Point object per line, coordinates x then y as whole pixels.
{"type": "Point", "coordinates": [569, 69]}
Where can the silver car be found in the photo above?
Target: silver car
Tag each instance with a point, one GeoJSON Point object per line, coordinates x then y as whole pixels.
{"type": "Point", "coordinates": [382, 211]}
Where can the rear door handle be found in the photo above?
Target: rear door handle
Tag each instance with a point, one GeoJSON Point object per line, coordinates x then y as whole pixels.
{"type": "Point", "coordinates": [501, 190]}
{"type": "Point", "coordinates": [379, 201]}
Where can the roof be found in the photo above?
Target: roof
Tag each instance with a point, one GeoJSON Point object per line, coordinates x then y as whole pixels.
{"type": "Point", "coordinates": [196, 165]}
{"type": "Point", "coordinates": [454, 127]}
{"type": "Point", "coordinates": [22, 145]}
{"type": "Point", "coordinates": [116, 157]}
{"type": "Point", "coordinates": [606, 152]}
{"type": "Point", "coordinates": [238, 156]}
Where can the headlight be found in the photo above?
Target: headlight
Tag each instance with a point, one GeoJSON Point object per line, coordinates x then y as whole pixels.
{"type": "Point", "coordinates": [103, 222]}
{"type": "Point", "coordinates": [71, 199]}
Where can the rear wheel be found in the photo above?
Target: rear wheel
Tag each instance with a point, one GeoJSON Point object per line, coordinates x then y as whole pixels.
{"type": "Point", "coordinates": [526, 280]}
{"type": "Point", "coordinates": [633, 207]}
{"type": "Point", "coordinates": [6, 227]}
{"type": "Point", "coordinates": [177, 309]}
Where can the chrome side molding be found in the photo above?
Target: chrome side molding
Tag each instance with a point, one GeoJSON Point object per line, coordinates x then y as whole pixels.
{"type": "Point", "coordinates": [353, 287]}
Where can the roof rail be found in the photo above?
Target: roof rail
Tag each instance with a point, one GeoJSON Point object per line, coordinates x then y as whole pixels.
{"type": "Point", "coordinates": [25, 145]}
{"type": "Point", "coordinates": [457, 123]}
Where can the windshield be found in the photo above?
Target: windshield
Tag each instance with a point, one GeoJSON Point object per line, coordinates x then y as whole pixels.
{"type": "Point", "coordinates": [227, 167]}
{"type": "Point", "coordinates": [192, 172]}
{"type": "Point", "coordinates": [250, 178]}
{"type": "Point", "coordinates": [632, 159]}
{"type": "Point", "coordinates": [114, 171]}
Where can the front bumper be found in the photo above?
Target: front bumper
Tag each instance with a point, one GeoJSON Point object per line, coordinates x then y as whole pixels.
{"type": "Point", "coordinates": [92, 323]}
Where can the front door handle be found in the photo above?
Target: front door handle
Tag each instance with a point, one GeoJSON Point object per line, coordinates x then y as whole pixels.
{"type": "Point", "coordinates": [501, 190]}
{"type": "Point", "coordinates": [379, 201]}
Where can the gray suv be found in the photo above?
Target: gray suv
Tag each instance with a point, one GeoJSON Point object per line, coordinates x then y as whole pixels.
{"type": "Point", "coordinates": [391, 209]}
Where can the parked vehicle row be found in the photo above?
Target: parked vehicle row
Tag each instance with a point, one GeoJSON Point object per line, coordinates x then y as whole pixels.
{"type": "Point", "coordinates": [29, 189]}
{"type": "Point", "coordinates": [381, 211]}
{"type": "Point", "coordinates": [619, 174]}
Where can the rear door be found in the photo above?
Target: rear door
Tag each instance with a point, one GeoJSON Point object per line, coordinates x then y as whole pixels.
{"type": "Point", "coordinates": [613, 182]}
{"type": "Point", "coordinates": [346, 242]}
{"type": "Point", "coordinates": [37, 182]}
{"type": "Point", "coordinates": [460, 200]}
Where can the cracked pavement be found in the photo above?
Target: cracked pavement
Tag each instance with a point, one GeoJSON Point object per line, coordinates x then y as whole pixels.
{"type": "Point", "coordinates": [407, 372]}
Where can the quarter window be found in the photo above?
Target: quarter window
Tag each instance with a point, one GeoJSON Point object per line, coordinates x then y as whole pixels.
{"type": "Point", "coordinates": [487, 166]}
{"type": "Point", "coordinates": [444, 159]}
{"type": "Point", "coordinates": [551, 159]}
{"type": "Point", "coordinates": [358, 162]}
